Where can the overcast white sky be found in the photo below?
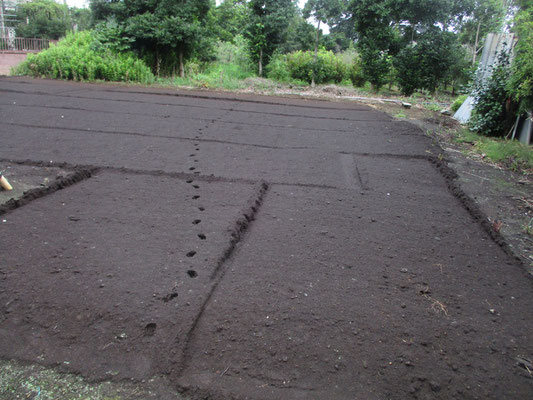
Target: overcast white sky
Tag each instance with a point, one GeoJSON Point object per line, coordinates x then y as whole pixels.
{"type": "Point", "coordinates": [76, 3]}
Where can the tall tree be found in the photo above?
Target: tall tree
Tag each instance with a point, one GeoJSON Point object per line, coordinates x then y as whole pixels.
{"type": "Point", "coordinates": [376, 37]}
{"type": "Point", "coordinates": [80, 18]}
{"type": "Point", "coordinates": [300, 36]}
{"type": "Point", "coordinates": [486, 16]}
{"type": "Point", "coordinates": [384, 27]}
{"type": "Point", "coordinates": [166, 30]}
{"type": "Point", "coordinates": [42, 19]}
{"type": "Point", "coordinates": [521, 82]}
{"type": "Point", "coordinates": [231, 17]}
{"type": "Point", "coordinates": [322, 11]}
{"type": "Point", "coordinates": [267, 28]}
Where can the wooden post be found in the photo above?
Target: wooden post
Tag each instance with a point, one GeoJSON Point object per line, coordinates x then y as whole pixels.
{"type": "Point", "coordinates": [5, 184]}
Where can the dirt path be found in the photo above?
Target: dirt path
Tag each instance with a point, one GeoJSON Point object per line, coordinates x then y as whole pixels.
{"type": "Point", "coordinates": [250, 247]}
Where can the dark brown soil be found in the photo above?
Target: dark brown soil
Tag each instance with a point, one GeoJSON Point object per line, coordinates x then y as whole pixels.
{"type": "Point", "coordinates": [252, 248]}
{"type": "Point", "coordinates": [505, 197]}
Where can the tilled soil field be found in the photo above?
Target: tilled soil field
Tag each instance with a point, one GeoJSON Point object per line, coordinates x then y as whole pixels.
{"type": "Point", "coordinates": [246, 247]}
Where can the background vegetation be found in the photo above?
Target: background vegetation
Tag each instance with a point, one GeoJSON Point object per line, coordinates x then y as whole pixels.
{"type": "Point", "coordinates": [397, 46]}
{"type": "Point", "coordinates": [80, 57]}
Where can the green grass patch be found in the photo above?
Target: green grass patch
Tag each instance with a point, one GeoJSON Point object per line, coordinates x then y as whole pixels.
{"type": "Point", "coordinates": [433, 107]}
{"type": "Point", "coordinates": [509, 153]}
{"type": "Point", "coordinates": [18, 381]}
{"type": "Point", "coordinates": [215, 76]}
{"type": "Point", "coordinates": [458, 102]}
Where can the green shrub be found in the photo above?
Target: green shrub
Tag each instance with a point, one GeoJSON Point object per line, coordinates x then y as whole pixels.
{"type": "Point", "coordinates": [433, 107]}
{"type": "Point", "coordinates": [521, 82]}
{"type": "Point", "coordinates": [278, 68]}
{"type": "Point", "coordinates": [489, 115]}
{"type": "Point", "coordinates": [80, 57]}
{"type": "Point", "coordinates": [408, 70]}
{"type": "Point", "coordinates": [193, 68]}
{"type": "Point", "coordinates": [355, 72]}
{"type": "Point", "coordinates": [458, 102]}
{"type": "Point", "coordinates": [235, 52]}
{"type": "Point", "coordinates": [299, 66]}
{"type": "Point", "coordinates": [220, 75]}
{"type": "Point", "coordinates": [375, 67]}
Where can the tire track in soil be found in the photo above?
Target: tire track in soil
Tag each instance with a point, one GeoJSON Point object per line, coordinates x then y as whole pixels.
{"type": "Point", "coordinates": [352, 174]}
{"type": "Point", "coordinates": [237, 232]}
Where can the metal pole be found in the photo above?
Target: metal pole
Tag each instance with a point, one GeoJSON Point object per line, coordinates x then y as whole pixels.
{"type": "Point", "coordinates": [2, 24]}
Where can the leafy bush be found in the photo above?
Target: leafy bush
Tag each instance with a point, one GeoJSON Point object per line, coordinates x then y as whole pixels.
{"type": "Point", "coordinates": [521, 82]}
{"type": "Point", "coordinates": [219, 75]}
{"type": "Point", "coordinates": [299, 65]}
{"type": "Point", "coordinates": [357, 77]}
{"type": "Point", "coordinates": [489, 116]}
{"type": "Point", "coordinates": [433, 107]}
{"type": "Point", "coordinates": [193, 68]}
{"type": "Point", "coordinates": [110, 36]}
{"type": "Point", "coordinates": [375, 67]}
{"type": "Point", "coordinates": [278, 68]}
{"type": "Point", "coordinates": [458, 102]}
{"type": "Point", "coordinates": [235, 52]}
{"type": "Point", "coordinates": [81, 57]}
{"type": "Point", "coordinates": [352, 60]}
{"type": "Point", "coordinates": [408, 72]}
{"type": "Point", "coordinates": [41, 19]}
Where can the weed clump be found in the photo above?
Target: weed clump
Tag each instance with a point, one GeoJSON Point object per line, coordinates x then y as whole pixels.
{"type": "Point", "coordinates": [80, 57]}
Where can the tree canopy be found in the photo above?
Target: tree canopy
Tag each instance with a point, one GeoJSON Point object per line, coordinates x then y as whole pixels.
{"type": "Point", "coordinates": [267, 28]}
{"type": "Point", "coordinates": [44, 19]}
{"type": "Point", "coordinates": [165, 32]}
{"type": "Point", "coordinates": [521, 81]}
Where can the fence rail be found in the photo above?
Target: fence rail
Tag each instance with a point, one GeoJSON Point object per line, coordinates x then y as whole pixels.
{"type": "Point", "coordinates": [24, 44]}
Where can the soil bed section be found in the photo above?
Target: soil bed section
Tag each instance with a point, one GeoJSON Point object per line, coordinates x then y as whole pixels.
{"type": "Point", "coordinates": [423, 305]}
{"type": "Point", "coordinates": [362, 275]}
{"type": "Point", "coordinates": [107, 277]}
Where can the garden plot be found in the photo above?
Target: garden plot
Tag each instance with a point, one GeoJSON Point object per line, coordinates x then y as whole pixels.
{"type": "Point", "coordinates": [108, 276]}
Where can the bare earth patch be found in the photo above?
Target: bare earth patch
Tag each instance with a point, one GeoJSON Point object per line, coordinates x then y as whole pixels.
{"type": "Point", "coordinates": [243, 246]}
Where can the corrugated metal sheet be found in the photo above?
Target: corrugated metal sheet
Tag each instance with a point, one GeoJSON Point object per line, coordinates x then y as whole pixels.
{"type": "Point", "coordinates": [494, 44]}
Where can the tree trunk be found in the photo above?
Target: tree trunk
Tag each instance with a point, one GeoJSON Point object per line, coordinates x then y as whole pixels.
{"type": "Point", "coordinates": [476, 43]}
{"type": "Point", "coordinates": [157, 63]}
{"type": "Point", "coordinates": [315, 58]}
{"type": "Point", "coordinates": [182, 67]}
{"type": "Point", "coordinates": [261, 62]}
